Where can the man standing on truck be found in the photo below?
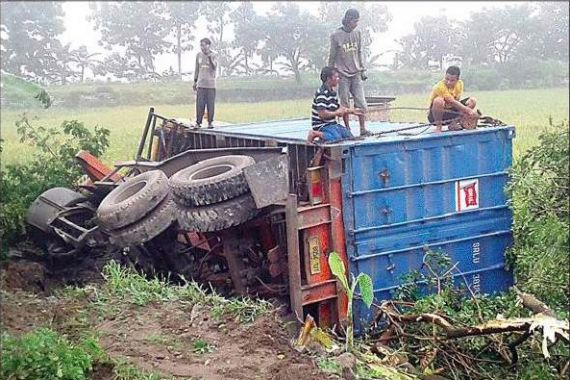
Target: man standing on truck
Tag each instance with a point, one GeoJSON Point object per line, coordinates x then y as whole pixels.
{"type": "Point", "coordinates": [445, 106]}
{"type": "Point", "coordinates": [346, 56]}
{"type": "Point", "coordinates": [205, 82]}
{"type": "Point", "coordinates": [325, 109]}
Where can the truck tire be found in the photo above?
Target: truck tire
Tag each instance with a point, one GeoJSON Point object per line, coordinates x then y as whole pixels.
{"type": "Point", "coordinates": [148, 228]}
{"type": "Point", "coordinates": [211, 181]}
{"type": "Point", "coordinates": [217, 216]}
{"type": "Point", "coordinates": [132, 200]}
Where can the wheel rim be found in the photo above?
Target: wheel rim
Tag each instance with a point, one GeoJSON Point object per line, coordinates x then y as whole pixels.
{"type": "Point", "coordinates": [210, 172]}
{"type": "Point", "coordinates": [130, 190]}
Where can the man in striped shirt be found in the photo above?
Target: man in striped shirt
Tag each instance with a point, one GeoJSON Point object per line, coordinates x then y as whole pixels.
{"type": "Point", "coordinates": [326, 109]}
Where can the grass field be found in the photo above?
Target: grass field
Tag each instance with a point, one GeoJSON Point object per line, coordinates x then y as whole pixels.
{"type": "Point", "coordinates": [528, 110]}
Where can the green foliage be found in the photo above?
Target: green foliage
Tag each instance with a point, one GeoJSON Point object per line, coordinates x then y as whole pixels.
{"type": "Point", "coordinates": [200, 347]}
{"type": "Point", "coordinates": [125, 285]}
{"type": "Point", "coordinates": [540, 201]}
{"type": "Point", "coordinates": [363, 281]}
{"type": "Point", "coordinates": [44, 98]}
{"type": "Point", "coordinates": [44, 355]}
{"type": "Point", "coordinates": [53, 165]}
{"type": "Point", "coordinates": [30, 34]}
{"type": "Point", "coordinates": [123, 370]}
{"type": "Point", "coordinates": [338, 269]}
{"type": "Point", "coordinates": [17, 92]}
{"type": "Point", "coordinates": [463, 309]}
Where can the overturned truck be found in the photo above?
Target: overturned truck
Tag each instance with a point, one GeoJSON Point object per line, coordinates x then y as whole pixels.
{"type": "Point", "coordinates": [254, 210]}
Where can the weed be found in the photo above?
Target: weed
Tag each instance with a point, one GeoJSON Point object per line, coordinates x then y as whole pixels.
{"type": "Point", "coordinates": [201, 347]}
{"type": "Point", "coordinates": [245, 310]}
{"type": "Point", "coordinates": [126, 285]}
{"type": "Point", "coordinates": [45, 355]}
{"type": "Point", "coordinates": [123, 284]}
{"type": "Point", "coordinates": [126, 371]}
{"type": "Point", "coordinates": [329, 365]}
{"type": "Point", "coordinates": [161, 340]}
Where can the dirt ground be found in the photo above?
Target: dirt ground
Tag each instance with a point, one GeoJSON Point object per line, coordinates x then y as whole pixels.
{"type": "Point", "coordinates": [170, 339]}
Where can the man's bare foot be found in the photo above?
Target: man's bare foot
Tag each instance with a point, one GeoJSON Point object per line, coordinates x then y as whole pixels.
{"type": "Point", "coordinates": [365, 132]}
{"type": "Point", "coordinates": [455, 126]}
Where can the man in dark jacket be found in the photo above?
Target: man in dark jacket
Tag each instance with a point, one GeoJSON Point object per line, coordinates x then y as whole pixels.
{"type": "Point", "coordinates": [346, 56]}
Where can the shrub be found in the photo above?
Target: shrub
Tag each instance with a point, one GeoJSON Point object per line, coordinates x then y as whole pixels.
{"type": "Point", "coordinates": [540, 196]}
{"type": "Point", "coordinates": [45, 355]}
{"type": "Point", "coordinates": [53, 165]}
{"type": "Point", "coordinates": [532, 73]}
{"type": "Point", "coordinates": [482, 78]}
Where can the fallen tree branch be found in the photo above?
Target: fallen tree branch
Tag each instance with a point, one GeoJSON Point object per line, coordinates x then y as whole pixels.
{"type": "Point", "coordinates": [534, 304]}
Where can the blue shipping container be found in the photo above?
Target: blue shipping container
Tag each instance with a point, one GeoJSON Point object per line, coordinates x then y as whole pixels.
{"type": "Point", "coordinates": [444, 192]}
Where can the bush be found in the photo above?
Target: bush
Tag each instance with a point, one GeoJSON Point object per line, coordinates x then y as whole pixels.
{"type": "Point", "coordinates": [482, 78]}
{"type": "Point", "coordinates": [540, 195]}
{"type": "Point", "coordinates": [44, 355]}
{"type": "Point", "coordinates": [532, 73]}
{"type": "Point", "coordinates": [53, 165]}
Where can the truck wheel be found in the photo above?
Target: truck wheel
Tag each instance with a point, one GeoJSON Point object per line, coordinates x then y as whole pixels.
{"type": "Point", "coordinates": [146, 229]}
{"type": "Point", "coordinates": [217, 216]}
{"type": "Point", "coordinates": [133, 199]}
{"type": "Point", "coordinates": [211, 181]}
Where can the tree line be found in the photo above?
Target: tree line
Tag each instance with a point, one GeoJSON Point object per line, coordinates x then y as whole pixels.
{"type": "Point", "coordinates": [287, 38]}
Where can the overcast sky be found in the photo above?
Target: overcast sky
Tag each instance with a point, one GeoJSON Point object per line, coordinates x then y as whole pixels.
{"type": "Point", "coordinates": [404, 14]}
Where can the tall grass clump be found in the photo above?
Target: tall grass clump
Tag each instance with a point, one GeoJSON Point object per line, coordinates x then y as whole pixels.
{"type": "Point", "coordinates": [128, 286]}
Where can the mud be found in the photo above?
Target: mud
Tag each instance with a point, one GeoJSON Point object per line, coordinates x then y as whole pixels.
{"type": "Point", "coordinates": [161, 339]}
{"type": "Point", "coordinates": [158, 338]}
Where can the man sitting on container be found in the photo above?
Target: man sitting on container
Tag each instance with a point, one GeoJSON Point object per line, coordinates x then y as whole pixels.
{"type": "Point", "coordinates": [326, 109]}
{"type": "Point", "coordinates": [445, 106]}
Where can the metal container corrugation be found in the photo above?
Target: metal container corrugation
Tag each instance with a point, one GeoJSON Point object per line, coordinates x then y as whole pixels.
{"type": "Point", "coordinates": [403, 198]}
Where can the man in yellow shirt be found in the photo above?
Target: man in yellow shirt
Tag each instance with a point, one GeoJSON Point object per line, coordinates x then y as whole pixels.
{"type": "Point", "coordinates": [445, 106]}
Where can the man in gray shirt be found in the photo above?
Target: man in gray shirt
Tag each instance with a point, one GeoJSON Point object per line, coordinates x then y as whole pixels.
{"type": "Point", "coordinates": [346, 56]}
{"type": "Point", "coordinates": [205, 82]}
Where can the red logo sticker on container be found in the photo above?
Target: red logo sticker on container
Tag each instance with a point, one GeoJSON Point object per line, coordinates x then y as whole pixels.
{"type": "Point", "coordinates": [466, 195]}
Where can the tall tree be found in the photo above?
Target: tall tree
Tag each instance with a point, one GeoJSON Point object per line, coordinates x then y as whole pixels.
{"type": "Point", "coordinates": [83, 59]}
{"type": "Point", "coordinates": [476, 37]}
{"type": "Point", "coordinates": [247, 36]}
{"type": "Point", "coordinates": [183, 16]}
{"type": "Point", "coordinates": [29, 33]}
{"type": "Point", "coordinates": [120, 66]}
{"type": "Point", "coordinates": [497, 35]}
{"type": "Point", "coordinates": [514, 27]}
{"type": "Point", "coordinates": [549, 39]}
{"type": "Point", "coordinates": [139, 28]}
{"type": "Point", "coordinates": [58, 64]}
{"type": "Point", "coordinates": [287, 33]}
{"type": "Point", "coordinates": [433, 38]}
{"type": "Point", "coordinates": [218, 17]}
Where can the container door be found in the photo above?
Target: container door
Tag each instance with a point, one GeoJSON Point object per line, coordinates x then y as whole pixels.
{"type": "Point", "coordinates": [444, 193]}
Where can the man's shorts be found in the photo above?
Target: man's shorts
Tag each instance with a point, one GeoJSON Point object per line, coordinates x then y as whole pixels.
{"type": "Point", "coordinates": [447, 116]}
{"type": "Point", "coordinates": [335, 132]}
{"type": "Point", "coordinates": [352, 85]}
